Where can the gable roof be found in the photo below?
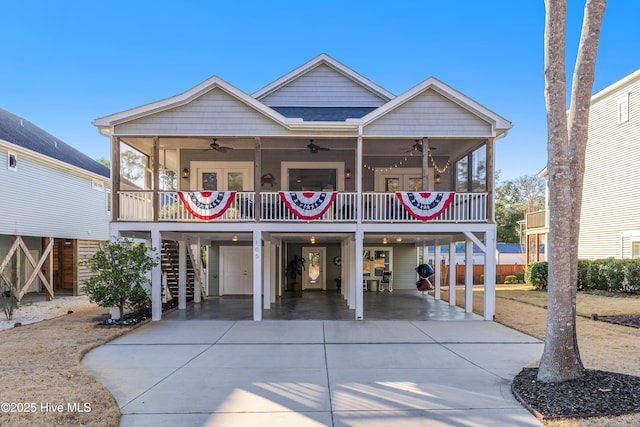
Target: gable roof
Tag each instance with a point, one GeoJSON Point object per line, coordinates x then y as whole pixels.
{"type": "Point", "coordinates": [498, 122]}
{"type": "Point", "coordinates": [510, 248]}
{"type": "Point", "coordinates": [323, 59]}
{"type": "Point", "coordinates": [186, 97]}
{"type": "Point", "coordinates": [313, 117]}
{"type": "Point", "coordinates": [23, 133]}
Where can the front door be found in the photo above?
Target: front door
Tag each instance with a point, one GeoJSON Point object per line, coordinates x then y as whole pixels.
{"type": "Point", "coordinates": [218, 176]}
{"type": "Point", "coordinates": [237, 270]}
{"type": "Point", "coordinates": [314, 269]}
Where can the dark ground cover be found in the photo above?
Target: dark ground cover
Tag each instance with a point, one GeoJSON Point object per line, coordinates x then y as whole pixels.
{"type": "Point", "coordinates": [597, 393]}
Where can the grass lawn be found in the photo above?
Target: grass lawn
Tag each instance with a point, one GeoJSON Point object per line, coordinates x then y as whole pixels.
{"type": "Point", "coordinates": [586, 305]}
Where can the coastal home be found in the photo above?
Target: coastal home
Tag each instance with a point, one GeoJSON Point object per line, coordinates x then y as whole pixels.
{"type": "Point", "coordinates": [321, 164]}
{"type": "Point", "coordinates": [614, 129]}
{"type": "Point", "coordinates": [57, 210]}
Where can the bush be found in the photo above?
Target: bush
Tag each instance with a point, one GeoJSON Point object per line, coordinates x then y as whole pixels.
{"type": "Point", "coordinates": [583, 273]}
{"type": "Point", "coordinates": [527, 273]}
{"type": "Point", "coordinates": [510, 279]}
{"type": "Point", "coordinates": [519, 277]}
{"type": "Point", "coordinates": [540, 274]}
{"type": "Point", "coordinates": [120, 269]}
{"type": "Point", "coordinates": [632, 276]}
{"type": "Point", "coordinates": [139, 301]}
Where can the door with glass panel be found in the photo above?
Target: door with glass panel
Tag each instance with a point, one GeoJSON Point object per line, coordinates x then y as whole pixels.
{"type": "Point", "coordinates": [314, 271]}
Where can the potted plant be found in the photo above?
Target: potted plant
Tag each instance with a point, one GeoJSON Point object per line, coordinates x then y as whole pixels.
{"type": "Point", "coordinates": [294, 269]}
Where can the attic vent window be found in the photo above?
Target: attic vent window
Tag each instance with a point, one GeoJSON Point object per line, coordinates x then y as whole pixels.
{"type": "Point", "coordinates": [623, 109]}
{"type": "Point", "coordinates": [12, 162]}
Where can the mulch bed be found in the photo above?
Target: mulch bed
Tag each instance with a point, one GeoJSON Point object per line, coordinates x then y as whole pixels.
{"type": "Point", "coordinates": [632, 320]}
{"type": "Point", "coordinates": [597, 393]}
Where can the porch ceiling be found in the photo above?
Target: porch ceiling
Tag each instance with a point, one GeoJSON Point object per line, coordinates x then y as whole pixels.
{"type": "Point", "coordinates": [399, 147]}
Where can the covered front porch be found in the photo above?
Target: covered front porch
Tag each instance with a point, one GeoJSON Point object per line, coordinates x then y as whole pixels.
{"type": "Point", "coordinates": [348, 265]}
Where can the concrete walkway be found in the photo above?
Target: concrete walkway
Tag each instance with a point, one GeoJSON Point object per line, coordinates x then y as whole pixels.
{"type": "Point", "coordinates": [316, 373]}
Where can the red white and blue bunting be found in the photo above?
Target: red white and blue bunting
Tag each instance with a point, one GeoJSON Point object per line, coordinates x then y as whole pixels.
{"type": "Point", "coordinates": [308, 204]}
{"type": "Point", "coordinates": [207, 205]}
{"type": "Point", "coordinates": [425, 205]}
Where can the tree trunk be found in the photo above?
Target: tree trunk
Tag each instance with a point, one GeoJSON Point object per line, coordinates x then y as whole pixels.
{"type": "Point", "coordinates": [566, 151]}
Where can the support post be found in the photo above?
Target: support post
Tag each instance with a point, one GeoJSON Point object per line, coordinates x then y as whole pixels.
{"type": "Point", "coordinates": [273, 268]}
{"type": "Point", "coordinates": [355, 281]}
{"type": "Point", "coordinates": [452, 273]}
{"type": "Point", "coordinates": [155, 178]}
{"type": "Point", "coordinates": [115, 178]}
{"type": "Point", "coordinates": [266, 272]}
{"type": "Point", "coordinates": [182, 274]}
{"type": "Point", "coordinates": [359, 246]}
{"type": "Point", "coordinates": [257, 275]}
{"type": "Point", "coordinates": [425, 165]}
{"type": "Point", "coordinates": [197, 261]}
{"type": "Point", "coordinates": [438, 269]}
{"type": "Point", "coordinates": [468, 277]}
{"type": "Point", "coordinates": [257, 183]}
{"type": "Point", "coordinates": [490, 275]}
{"type": "Point", "coordinates": [156, 277]}
{"type": "Point", "coordinates": [490, 179]}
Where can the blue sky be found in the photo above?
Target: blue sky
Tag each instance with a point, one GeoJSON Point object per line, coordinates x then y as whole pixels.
{"type": "Point", "coordinates": [67, 63]}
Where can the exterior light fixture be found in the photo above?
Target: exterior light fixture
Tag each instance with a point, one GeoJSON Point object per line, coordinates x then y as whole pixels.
{"type": "Point", "coordinates": [313, 240]}
{"type": "Point", "coordinates": [398, 239]}
{"type": "Point", "coordinates": [385, 241]}
{"type": "Point", "coordinates": [234, 238]}
{"type": "Point", "coordinates": [437, 179]}
{"type": "Point", "coordinates": [185, 173]}
{"type": "Point", "coordinates": [347, 174]}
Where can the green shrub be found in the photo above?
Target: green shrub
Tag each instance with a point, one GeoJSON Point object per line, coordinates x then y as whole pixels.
{"type": "Point", "coordinates": [519, 277]}
{"type": "Point", "coordinates": [540, 274]}
{"type": "Point", "coordinates": [139, 301]}
{"type": "Point", "coordinates": [595, 275]}
{"type": "Point", "coordinates": [510, 279]}
{"type": "Point", "coordinates": [632, 276]}
{"type": "Point", "coordinates": [120, 272]}
{"type": "Point", "coordinates": [527, 273]}
{"type": "Point", "coordinates": [583, 272]}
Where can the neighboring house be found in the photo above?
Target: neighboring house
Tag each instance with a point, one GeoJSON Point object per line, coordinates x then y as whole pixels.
{"type": "Point", "coordinates": [56, 209]}
{"type": "Point", "coordinates": [536, 228]}
{"type": "Point", "coordinates": [322, 164]}
{"type": "Point", "coordinates": [610, 220]}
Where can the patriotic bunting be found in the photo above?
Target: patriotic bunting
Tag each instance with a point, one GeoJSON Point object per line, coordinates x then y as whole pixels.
{"type": "Point", "coordinates": [207, 205]}
{"type": "Point", "coordinates": [308, 204]}
{"type": "Point", "coordinates": [424, 205]}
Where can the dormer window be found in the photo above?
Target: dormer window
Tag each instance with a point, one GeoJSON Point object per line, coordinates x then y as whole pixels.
{"type": "Point", "coordinates": [623, 109]}
{"type": "Point", "coordinates": [12, 162]}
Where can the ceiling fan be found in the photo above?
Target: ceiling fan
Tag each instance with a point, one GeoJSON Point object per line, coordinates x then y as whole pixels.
{"type": "Point", "coordinates": [217, 147]}
{"type": "Point", "coordinates": [315, 149]}
{"type": "Point", "coordinates": [418, 147]}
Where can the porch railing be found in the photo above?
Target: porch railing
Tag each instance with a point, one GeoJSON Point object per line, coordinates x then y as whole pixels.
{"type": "Point", "coordinates": [536, 220]}
{"type": "Point", "coordinates": [376, 207]}
{"type": "Point", "coordinates": [385, 207]}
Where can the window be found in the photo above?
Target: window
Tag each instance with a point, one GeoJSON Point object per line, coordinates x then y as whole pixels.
{"type": "Point", "coordinates": [376, 260]}
{"type": "Point", "coordinates": [635, 250]}
{"type": "Point", "coordinates": [471, 172]}
{"type": "Point", "coordinates": [97, 185]}
{"type": "Point", "coordinates": [12, 162]}
{"type": "Point", "coordinates": [108, 201]}
{"type": "Point", "coordinates": [623, 109]}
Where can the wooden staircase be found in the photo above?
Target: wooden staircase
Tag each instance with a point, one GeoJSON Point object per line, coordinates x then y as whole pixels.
{"type": "Point", "coordinates": [170, 257]}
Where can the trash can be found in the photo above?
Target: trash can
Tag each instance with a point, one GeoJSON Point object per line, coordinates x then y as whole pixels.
{"type": "Point", "coordinates": [373, 285]}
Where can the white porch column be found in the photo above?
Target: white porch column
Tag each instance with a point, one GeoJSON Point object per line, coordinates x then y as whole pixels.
{"type": "Point", "coordinates": [344, 268]}
{"type": "Point", "coordinates": [359, 246]}
{"type": "Point", "coordinates": [273, 269]}
{"type": "Point", "coordinates": [355, 282]}
{"type": "Point", "coordinates": [490, 275]}
{"type": "Point", "coordinates": [182, 274]}
{"type": "Point", "coordinates": [156, 277]}
{"type": "Point", "coordinates": [437, 267]}
{"type": "Point", "coordinates": [257, 275]}
{"type": "Point", "coordinates": [468, 277]}
{"type": "Point", "coordinates": [266, 273]}
{"type": "Point", "coordinates": [452, 273]}
{"type": "Point", "coordinates": [197, 261]}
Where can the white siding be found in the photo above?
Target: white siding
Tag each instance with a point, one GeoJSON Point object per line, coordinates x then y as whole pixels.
{"type": "Point", "coordinates": [611, 196]}
{"type": "Point", "coordinates": [214, 113]}
{"type": "Point", "coordinates": [429, 114]}
{"type": "Point", "coordinates": [323, 87]}
{"type": "Point", "coordinates": [41, 200]}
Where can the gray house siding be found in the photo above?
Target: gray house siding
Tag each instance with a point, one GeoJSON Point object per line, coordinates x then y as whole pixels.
{"type": "Point", "coordinates": [214, 113]}
{"type": "Point", "coordinates": [611, 204]}
{"type": "Point", "coordinates": [323, 87]}
{"type": "Point", "coordinates": [47, 200]}
{"type": "Point", "coordinates": [432, 114]}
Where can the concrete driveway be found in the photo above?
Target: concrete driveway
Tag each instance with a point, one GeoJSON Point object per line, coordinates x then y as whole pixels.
{"type": "Point", "coordinates": [316, 373]}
